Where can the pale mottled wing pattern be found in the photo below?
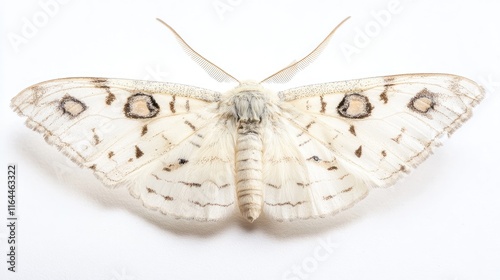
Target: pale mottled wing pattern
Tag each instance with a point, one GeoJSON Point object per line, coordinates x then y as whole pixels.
{"type": "Point", "coordinates": [302, 177]}
{"type": "Point", "coordinates": [347, 136]}
{"type": "Point", "coordinates": [195, 180]}
{"type": "Point", "coordinates": [120, 128]}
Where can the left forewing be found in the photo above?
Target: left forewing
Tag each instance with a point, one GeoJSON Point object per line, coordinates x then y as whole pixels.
{"type": "Point", "coordinates": [114, 126]}
{"type": "Point", "coordinates": [382, 127]}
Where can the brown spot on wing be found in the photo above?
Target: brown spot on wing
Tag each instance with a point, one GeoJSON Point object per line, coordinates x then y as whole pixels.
{"type": "Point", "coordinates": [352, 130]}
{"type": "Point", "coordinates": [343, 176]}
{"type": "Point", "coordinates": [323, 105]}
{"type": "Point", "coordinates": [138, 152]}
{"type": "Point", "coordinates": [144, 130]}
{"type": "Point", "coordinates": [111, 154]}
{"type": "Point", "coordinates": [309, 125]}
{"type": "Point", "coordinates": [273, 186]}
{"type": "Point", "coordinates": [305, 142]}
{"type": "Point", "coordinates": [397, 139]}
{"type": "Point", "coordinates": [96, 137]}
{"type": "Point", "coordinates": [383, 96]}
{"type": "Point", "coordinates": [110, 97]}
{"type": "Point", "coordinates": [190, 125]}
{"type": "Point", "coordinates": [359, 151]}
{"type": "Point", "coordinates": [172, 105]}
{"type": "Point", "coordinates": [194, 144]}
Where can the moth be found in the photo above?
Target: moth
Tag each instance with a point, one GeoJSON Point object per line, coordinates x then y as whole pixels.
{"type": "Point", "coordinates": [300, 153]}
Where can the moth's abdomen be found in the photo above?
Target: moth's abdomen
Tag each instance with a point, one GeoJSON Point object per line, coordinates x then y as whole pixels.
{"type": "Point", "coordinates": [249, 186]}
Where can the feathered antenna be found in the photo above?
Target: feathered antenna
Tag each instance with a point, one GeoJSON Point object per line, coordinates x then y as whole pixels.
{"type": "Point", "coordinates": [287, 73]}
{"type": "Point", "coordinates": [213, 70]}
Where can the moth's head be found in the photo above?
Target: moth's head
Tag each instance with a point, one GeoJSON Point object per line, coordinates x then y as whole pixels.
{"type": "Point", "coordinates": [249, 85]}
{"type": "Point", "coordinates": [246, 102]}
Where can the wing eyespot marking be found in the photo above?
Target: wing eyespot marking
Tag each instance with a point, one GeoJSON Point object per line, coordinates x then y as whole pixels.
{"type": "Point", "coordinates": [355, 106]}
{"type": "Point", "coordinates": [141, 106]}
{"type": "Point", "coordinates": [423, 102]}
{"type": "Point", "coordinates": [72, 106]}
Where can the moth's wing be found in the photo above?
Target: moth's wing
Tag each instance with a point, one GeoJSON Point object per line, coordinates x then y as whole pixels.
{"type": "Point", "coordinates": [123, 129]}
{"type": "Point", "coordinates": [302, 177]}
{"type": "Point", "coordinates": [382, 127]}
{"type": "Point", "coordinates": [112, 126]}
{"type": "Point", "coordinates": [332, 141]}
{"type": "Point", "coordinates": [195, 180]}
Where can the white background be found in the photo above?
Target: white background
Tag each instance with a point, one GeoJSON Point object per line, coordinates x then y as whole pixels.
{"type": "Point", "coordinates": [441, 222]}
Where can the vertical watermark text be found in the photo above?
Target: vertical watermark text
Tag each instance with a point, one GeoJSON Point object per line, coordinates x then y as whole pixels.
{"type": "Point", "coordinates": [11, 217]}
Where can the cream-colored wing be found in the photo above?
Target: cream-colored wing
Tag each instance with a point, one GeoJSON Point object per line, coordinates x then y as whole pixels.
{"type": "Point", "coordinates": [114, 127]}
{"type": "Point", "coordinates": [302, 177]}
{"type": "Point", "coordinates": [332, 141]}
{"type": "Point", "coordinates": [381, 128]}
{"type": "Point", "coordinates": [195, 180]}
{"type": "Point", "coordinates": [162, 140]}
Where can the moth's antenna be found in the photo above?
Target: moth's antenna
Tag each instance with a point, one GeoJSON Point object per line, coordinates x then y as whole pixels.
{"type": "Point", "coordinates": [287, 73]}
{"type": "Point", "coordinates": [213, 70]}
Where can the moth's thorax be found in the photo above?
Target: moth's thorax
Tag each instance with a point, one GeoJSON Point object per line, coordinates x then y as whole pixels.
{"type": "Point", "coordinates": [247, 103]}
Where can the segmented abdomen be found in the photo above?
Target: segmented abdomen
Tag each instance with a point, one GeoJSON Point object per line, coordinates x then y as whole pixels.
{"type": "Point", "coordinates": [249, 186]}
